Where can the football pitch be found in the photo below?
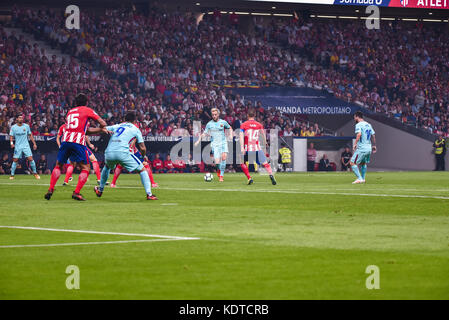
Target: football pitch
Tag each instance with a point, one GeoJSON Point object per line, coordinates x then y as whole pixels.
{"type": "Point", "coordinates": [312, 236]}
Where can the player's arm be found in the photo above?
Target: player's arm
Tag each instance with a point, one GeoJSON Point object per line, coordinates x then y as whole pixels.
{"type": "Point", "coordinates": [359, 135]}
{"type": "Point", "coordinates": [242, 141]}
{"type": "Point", "coordinates": [30, 136]}
{"type": "Point", "coordinates": [100, 121]}
{"type": "Point", "coordinates": [264, 137]}
{"type": "Point", "coordinates": [58, 140]}
{"type": "Point", "coordinates": [143, 150]}
{"type": "Point", "coordinates": [206, 131]}
{"type": "Point", "coordinates": [373, 143]}
{"type": "Point", "coordinates": [11, 139]}
{"type": "Point", "coordinates": [89, 144]}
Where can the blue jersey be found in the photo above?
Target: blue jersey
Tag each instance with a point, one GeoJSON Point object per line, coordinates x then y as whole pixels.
{"type": "Point", "coordinates": [216, 130]}
{"type": "Point", "coordinates": [20, 134]}
{"type": "Point", "coordinates": [124, 134]}
{"type": "Point", "coordinates": [367, 131]}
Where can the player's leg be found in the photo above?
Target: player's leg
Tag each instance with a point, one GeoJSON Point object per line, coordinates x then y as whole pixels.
{"type": "Point", "coordinates": [224, 155]}
{"type": "Point", "coordinates": [29, 155]}
{"type": "Point", "coordinates": [95, 164]}
{"type": "Point", "coordinates": [245, 168]}
{"type": "Point", "coordinates": [117, 171]}
{"type": "Point", "coordinates": [131, 163]}
{"type": "Point", "coordinates": [261, 158]}
{"type": "Point", "coordinates": [145, 179]}
{"type": "Point", "coordinates": [363, 169]}
{"type": "Point", "coordinates": [56, 173]}
{"type": "Point", "coordinates": [96, 167]}
{"type": "Point", "coordinates": [355, 160]}
{"type": "Point", "coordinates": [68, 173]}
{"type": "Point", "coordinates": [104, 177]}
{"type": "Point", "coordinates": [15, 160]}
{"type": "Point", "coordinates": [81, 157]}
{"type": "Point", "coordinates": [13, 168]}
{"type": "Point", "coordinates": [147, 167]}
{"type": "Point", "coordinates": [150, 174]}
{"type": "Point", "coordinates": [63, 155]}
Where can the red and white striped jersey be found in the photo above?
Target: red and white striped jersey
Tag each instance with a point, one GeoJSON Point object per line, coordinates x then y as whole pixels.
{"type": "Point", "coordinates": [61, 130]}
{"type": "Point", "coordinates": [77, 121]}
{"type": "Point", "coordinates": [251, 130]}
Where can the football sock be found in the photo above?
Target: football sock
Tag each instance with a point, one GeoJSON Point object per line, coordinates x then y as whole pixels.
{"type": "Point", "coordinates": [13, 168]}
{"type": "Point", "coordinates": [146, 181]}
{"type": "Point", "coordinates": [268, 168]}
{"type": "Point", "coordinates": [105, 176]}
{"type": "Point", "coordinates": [245, 170]}
{"type": "Point", "coordinates": [117, 172]}
{"type": "Point", "coordinates": [81, 180]}
{"type": "Point", "coordinates": [68, 173]}
{"type": "Point", "coordinates": [33, 166]}
{"type": "Point", "coordinates": [363, 171]}
{"type": "Point", "coordinates": [150, 173]}
{"type": "Point", "coordinates": [217, 168]}
{"type": "Point", "coordinates": [222, 167]}
{"type": "Point", "coordinates": [54, 177]}
{"type": "Point", "coordinates": [356, 171]}
{"type": "Point", "coordinates": [96, 169]}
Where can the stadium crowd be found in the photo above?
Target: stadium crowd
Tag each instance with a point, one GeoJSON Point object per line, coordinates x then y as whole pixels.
{"type": "Point", "coordinates": [114, 58]}
{"type": "Point", "coordinates": [401, 70]}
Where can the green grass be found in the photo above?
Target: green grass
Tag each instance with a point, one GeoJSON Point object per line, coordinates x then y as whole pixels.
{"type": "Point", "coordinates": [309, 237]}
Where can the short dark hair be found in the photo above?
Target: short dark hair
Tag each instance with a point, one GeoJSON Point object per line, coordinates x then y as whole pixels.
{"type": "Point", "coordinates": [80, 99]}
{"type": "Point", "coordinates": [359, 114]}
{"type": "Point", "coordinates": [130, 117]}
{"type": "Point", "coordinates": [251, 112]}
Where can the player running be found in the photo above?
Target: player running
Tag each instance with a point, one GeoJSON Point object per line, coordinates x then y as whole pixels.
{"type": "Point", "coordinates": [20, 133]}
{"type": "Point", "coordinates": [216, 129]}
{"type": "Point", "coordinates": [73, 144]}
{"type": "Point", "coordinates": [118, 168]}
{"type": "Point", "coordinates": [250, 148]}
{"type": "Point", "coordinates": [117, 152]}
{"type": "Point", "coordinates": [365, 143]}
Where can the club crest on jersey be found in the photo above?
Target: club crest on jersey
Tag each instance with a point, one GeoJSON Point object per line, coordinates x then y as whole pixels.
{"type": "Point", "coordinates": [404, 3]}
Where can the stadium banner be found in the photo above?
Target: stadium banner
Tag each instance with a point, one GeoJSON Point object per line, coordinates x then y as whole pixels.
{"type": "Point", "coordinates": [305, 101]}
{"type": "Point", "coordinates": [420, 4]}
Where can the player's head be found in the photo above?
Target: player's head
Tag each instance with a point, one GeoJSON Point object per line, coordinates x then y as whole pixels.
{"type": "Point", "coordinates": [358, 116]}
{"type": "Point", "coordinates": [251, 113]}
{"type": "Point", "coordinates": [80, 100]}
{"type": "Point", "coordinates": [130, 117]}
{"type": "Point", "coordinates": [215, 113]}
{"type": "Point", "coordinates": [19, 119]}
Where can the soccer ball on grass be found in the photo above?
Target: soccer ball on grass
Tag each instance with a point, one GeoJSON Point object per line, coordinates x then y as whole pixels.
{"type": "Point", "coordinates": [208, 177]}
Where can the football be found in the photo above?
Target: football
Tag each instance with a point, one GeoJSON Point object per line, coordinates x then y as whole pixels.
{"type": "Point", "coordinates": [208, 177]}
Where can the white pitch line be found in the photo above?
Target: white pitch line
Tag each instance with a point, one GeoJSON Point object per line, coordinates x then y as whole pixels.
{"type": "Point", "coordinates": [281, 191]}
{"type": "Point", "coordinates": [102, 232]}
{"type": "Point", "coordinates": [84, 243]}
{"type": "Point", "coordinates": [316, 192]}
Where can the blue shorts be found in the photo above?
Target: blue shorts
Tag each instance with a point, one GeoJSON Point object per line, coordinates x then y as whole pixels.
{"type": "Point", "coordinates": [361, 156]}
{"type": "Point", "coordinates": [257, 156]}
{"type": "Point", "coordinates": [219, 150]}
{"type": "Point", "coordinates": [89, 152]}
{"type": "Point", "coordinates": [128, 161]}
{"type": "Point", "coordinates": [139, 156]}
{"type": "Point", "coordinates": [26, 151]}
{"type": "Point", "coordinates": [73, 151]}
